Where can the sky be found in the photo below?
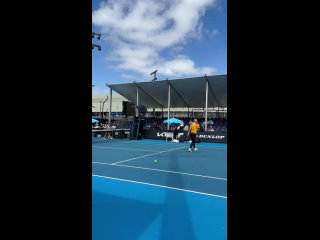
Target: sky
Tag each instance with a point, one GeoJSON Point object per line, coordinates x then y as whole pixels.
{"type": "Point", "coordinates": [179, 38]}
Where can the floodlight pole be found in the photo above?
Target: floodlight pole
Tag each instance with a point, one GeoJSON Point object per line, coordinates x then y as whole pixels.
{"type": "Point", "coordinates": [154, 75]}
{"type": "Point", "coordinates": [101, 113]}
{"type": "Point", "coordinates": [103, 107]}
{"type": "Point", "coordinates": [96, 34]}
{"type": "Point", "coordinates": [154, 79]}
{"type": "Point", "coordinates": [99, 48]}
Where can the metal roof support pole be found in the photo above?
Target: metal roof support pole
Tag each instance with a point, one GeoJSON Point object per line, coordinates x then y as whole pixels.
{"type": "Point", "coordinates": [206, 116]}
{"type": "Point", "coordinates": [178, 93]}
{"type": "Point", "coordinates": [137, 109]}
{"type": "Point", "coordinates": [169, 90]}
{"type": "Point", "coordinates": [110, 103]}
{"type": "Point", "coordinates": [212, 92]}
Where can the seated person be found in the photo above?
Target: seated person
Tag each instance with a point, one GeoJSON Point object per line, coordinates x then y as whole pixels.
{"type": "Point", "coordinates": [211, 128]}
{"type": "Point", "coordinates": [175, 132]}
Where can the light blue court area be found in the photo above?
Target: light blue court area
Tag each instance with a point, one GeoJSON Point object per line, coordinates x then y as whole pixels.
{"type": "Point", "coordinates": [180, 196]}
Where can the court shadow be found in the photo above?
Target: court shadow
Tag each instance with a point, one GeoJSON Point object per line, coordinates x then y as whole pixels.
{"type": "Point", "coordinates": [175, 214]}
{"type": "Point", "coordinates": [119, 218]}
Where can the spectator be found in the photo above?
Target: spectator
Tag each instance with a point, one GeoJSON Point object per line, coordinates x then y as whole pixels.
{"type": "Point", "coordinates": [154, 125]}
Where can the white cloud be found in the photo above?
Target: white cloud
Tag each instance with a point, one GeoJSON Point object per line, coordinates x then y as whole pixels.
{"type": "Point", "coordinates": [139, 30]}
{"type": "Point", "coordinates": [184, 66]}
{"type": "Point", "coordinates": [130, 77]}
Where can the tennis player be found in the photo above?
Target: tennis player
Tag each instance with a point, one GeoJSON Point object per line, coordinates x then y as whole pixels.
{"type": "Point", "coordinates": [193, 130]}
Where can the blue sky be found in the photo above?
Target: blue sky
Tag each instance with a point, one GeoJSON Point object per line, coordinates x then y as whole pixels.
{"type": "Point", "coordinates": [179, 38]}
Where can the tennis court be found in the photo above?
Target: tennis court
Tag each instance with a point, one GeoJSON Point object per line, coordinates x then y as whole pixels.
{"type": "Point", "coordinates": [153, 189]}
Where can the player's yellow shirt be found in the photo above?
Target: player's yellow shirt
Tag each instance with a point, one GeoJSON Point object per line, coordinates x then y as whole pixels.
{"type": "Point", "coordinates": [194, 128]}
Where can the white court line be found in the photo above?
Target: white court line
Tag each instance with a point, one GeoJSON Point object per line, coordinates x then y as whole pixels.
{"type": "Point", "coordinates": [126, 149]}
{"type": "Point", "coordinates": [156, 185]}
{"type": "Point", "coordinates": [148, 155]}
{"type": "Point", "coordinates": [160, 170]}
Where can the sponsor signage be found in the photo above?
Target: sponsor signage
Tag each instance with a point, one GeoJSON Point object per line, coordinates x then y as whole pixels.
{"type": "Point", "coordinates": [202, 136]}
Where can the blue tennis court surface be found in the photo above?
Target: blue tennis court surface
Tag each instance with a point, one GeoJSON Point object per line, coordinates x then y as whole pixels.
{"type": "Point", "coordinates": [152, 189]}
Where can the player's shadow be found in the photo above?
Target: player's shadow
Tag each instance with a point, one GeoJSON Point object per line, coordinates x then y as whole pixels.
{"type": "Point", "coordinates": [119, 218]}
{"type": "Point", "coordinates": [175, 214]}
